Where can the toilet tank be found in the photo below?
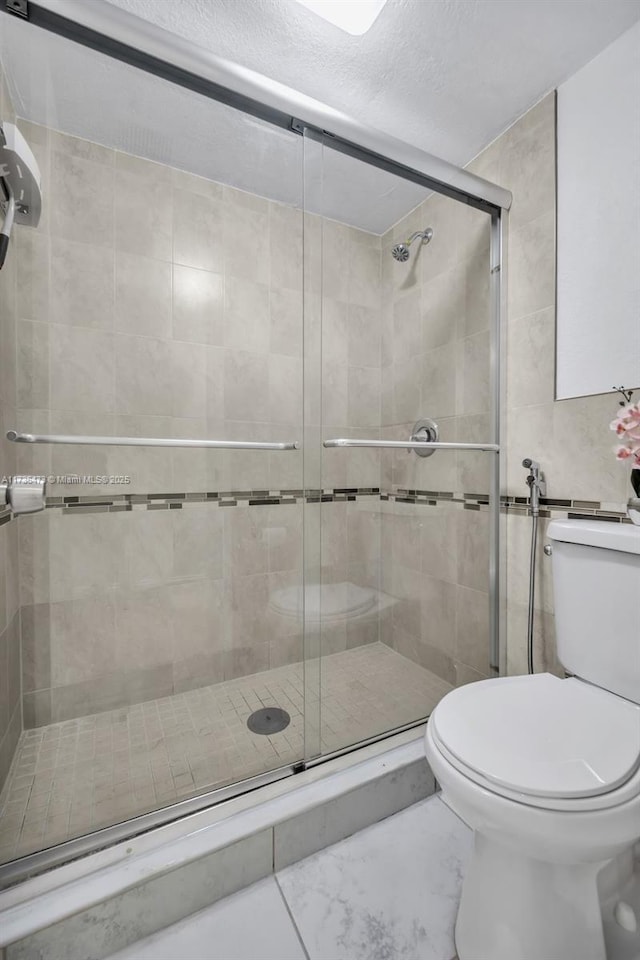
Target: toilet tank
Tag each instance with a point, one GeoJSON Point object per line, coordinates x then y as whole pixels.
{"type": "Point", "coordinates": [596, 584]}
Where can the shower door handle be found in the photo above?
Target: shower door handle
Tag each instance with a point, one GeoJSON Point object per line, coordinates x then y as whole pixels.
{"type": "Point", "coordinates": [16, 437]}
{"type": "Point", "coordinates": [410, 445]}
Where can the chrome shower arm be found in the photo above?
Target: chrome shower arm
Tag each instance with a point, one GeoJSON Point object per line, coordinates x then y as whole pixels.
{"type": "Point", "coordinates": [425, 235]}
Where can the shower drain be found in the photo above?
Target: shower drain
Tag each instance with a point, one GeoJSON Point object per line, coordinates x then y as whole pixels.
{"type": "Point", "coordinates": [268, 720]}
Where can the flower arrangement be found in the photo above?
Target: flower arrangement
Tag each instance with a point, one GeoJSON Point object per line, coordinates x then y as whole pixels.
{"type": "Point", "coordinates": [627, 428]}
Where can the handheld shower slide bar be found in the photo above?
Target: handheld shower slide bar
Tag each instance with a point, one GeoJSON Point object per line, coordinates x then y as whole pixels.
{"type": "Point", "coordinates": [150, 442]}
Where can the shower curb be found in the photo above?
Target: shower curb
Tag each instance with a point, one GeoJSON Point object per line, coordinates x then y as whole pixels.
{"type": "Point", "coordinates": [89, 909]}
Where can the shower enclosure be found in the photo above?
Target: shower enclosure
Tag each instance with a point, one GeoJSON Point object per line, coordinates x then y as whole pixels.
{"type": "Point", "coordinates": [272, 443]}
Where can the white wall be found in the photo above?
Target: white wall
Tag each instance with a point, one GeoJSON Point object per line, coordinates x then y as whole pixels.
{"type": "Point", "coordinates": [598, 327]}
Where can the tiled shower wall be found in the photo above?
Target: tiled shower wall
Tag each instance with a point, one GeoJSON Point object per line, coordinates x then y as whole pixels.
{"type": "Point", "coordinates": [435, 364]}
{"type": "Point", "coordinates": [10, 690]}
{"type": "Point", "coordinates": [155, 303]}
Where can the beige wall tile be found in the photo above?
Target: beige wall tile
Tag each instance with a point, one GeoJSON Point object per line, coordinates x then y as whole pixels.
{"type": "Point", "coordinates": [143, 214]}
{"type": "Point", "coordinates": [197, 231]}
{"type": "Point", "coordinates": [473, 549]}
{"type": "Point", "coordinates": [32, 293]}
{"type": "Point", "coordinates": [82, 640]}
{"type": "Point", "coordinates": [439, 601]}
{"type": "Point", "coordinates": [286, 326]}
{"type": "Point", "coordinates": [198, 305]}
{"type": "Point", "coordinates": [439, 541]}
{"type": "Point", "coordinates": [200, 617]}
{"type": "Point", "coordinates": [187, 374]}
{"type": "Point", "coordinates": [143, 382]}
{"type": "Point", "coordinates": [246, 315]}
{"type": "Point", "coordinates": [246, 239]}
{"type": "Point", "coordinates": [81, 288]}
{"type": "Point", "coordinates": [531, 266]}
{"type": "Point", "coordinates": [246, 384]}
{"type": "Point", "coordinates": [82, 369]}
{"type": "Point", "coordinates": [82, 192]}
{"type": "Point", "coordinates": [472, 629]}
{"type": "Point", "coordinates": [438, 397]}
{"type": "Point", "coordinates": [36, 648]}
{"type": "Point", "coordinates": [83, 552]}
{"type": "Point", "coordinates": [530, 359]}
{"type": "Point", "coordinates": [33, 363]}
{"type": "Point", "coordinates": [363, 396]}
{"type": "Point", "coordinates": [286, 260]}
{"type": "Point", "coordinates": [335, 260]}
{"type": "Point", "coordinates": [443, 308]}
{"type": "Point", "coordinates": [473, 383]}
{"type": "Point", "coordinates": [198, 542]}
{"type": "Point", "coordinates": [143, 629]}
{"type": "Point", "coordinates": [143, 544]}
{"type": "Point", "coordinates": [36, 708]}
{"type": "Point", "coordinates": [142, 296]}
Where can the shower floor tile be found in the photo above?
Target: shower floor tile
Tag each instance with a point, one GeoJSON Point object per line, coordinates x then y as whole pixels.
{"type": "Point", "coordinates": [70, 778]}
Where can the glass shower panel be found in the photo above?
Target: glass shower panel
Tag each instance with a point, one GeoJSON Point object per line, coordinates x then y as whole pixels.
{"type": "Point", "coordinates": [160, 297]}
{"type": "Point", "coordinates": [404, 585]}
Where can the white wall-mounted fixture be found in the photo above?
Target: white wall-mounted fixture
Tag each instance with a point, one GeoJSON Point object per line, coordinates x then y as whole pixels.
{"type": "Point", "coordinates": [352, 16]}
{"type": "Point", "coordinates": [598, 329]}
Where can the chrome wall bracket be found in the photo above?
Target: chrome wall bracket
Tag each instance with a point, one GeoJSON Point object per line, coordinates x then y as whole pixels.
{"type": "Point", "coordinates": [425, 431]}
{"type": "Point", "coordinates": [23, 494]}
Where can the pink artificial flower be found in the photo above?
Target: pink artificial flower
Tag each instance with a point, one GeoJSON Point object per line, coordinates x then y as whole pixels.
{"type": "Point", "coordinates": [626, 426]}
{"type": "Point", "coordinates": [623, 453]}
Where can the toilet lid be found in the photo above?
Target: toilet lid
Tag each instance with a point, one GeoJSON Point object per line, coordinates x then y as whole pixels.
{"type": "Point", "coordinates": [540, 735]}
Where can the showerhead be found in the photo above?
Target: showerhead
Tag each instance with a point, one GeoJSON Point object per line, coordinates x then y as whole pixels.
{"type": "Point", "coordinates": [400, 251]}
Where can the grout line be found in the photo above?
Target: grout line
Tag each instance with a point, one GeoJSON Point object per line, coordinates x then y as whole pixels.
{"type": "Point", "coordinates": [291, 916]}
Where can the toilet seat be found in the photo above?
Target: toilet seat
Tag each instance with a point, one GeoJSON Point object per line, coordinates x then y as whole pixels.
{"type": "Point", "coordinates": [542, 741]}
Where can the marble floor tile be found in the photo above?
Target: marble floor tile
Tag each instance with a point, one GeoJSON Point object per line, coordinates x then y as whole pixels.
{"type": "Point", "coordinates": [253, 924]}
{"type": "Point", "coordinates": [389, 892]}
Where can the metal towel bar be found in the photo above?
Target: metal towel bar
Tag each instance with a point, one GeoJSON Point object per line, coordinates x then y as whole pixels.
{"type": "Point", "coordinates": [411, 445]}
{"type": "Point", "coordinates": [149, 442]}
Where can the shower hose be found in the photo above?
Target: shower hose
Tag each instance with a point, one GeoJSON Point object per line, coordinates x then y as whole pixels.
{"type": "Point", "coordinates": [532, 591]}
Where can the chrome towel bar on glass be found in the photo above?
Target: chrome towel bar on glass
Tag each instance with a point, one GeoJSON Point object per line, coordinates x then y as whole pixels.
{"type": "Point", "coordinates": [411, 445]}
{"type": "Point", "coordinates": [150, 442]}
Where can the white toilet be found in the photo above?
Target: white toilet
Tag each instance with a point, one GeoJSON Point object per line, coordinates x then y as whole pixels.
{"type": "Point", "coordinates": [547, 771]}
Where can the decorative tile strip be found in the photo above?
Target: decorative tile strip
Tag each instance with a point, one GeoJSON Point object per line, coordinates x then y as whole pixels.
{"type": "Point", "coordinates": [512, 505]}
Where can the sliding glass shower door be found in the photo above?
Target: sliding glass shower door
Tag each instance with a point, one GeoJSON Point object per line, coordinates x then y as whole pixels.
{"type": "Point", "coordinates": [157, 310]}
{"type": "Point", "coordinates": [402, 585]}
{"type": "Point", "coordinates": [232, 339]}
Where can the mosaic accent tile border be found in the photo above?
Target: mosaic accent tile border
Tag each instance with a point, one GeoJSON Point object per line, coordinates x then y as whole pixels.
{"type": "Point", "coordinates": [222, 498]}
{"type": "Point", "coordinates": [514, 506]}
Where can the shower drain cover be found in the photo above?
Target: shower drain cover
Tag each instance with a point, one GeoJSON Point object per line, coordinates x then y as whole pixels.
{"type": "Point", "coordinates": [268, 720]}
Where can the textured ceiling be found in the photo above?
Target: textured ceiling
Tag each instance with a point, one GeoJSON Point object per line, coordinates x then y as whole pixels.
{"type": "Point", "coordinates": [445, 75]}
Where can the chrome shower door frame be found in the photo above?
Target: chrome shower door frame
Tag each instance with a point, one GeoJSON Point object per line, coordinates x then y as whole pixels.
{"type": "Point", "coordinates": [114, 32]}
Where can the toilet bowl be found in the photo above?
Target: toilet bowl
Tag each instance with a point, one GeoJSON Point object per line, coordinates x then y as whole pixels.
{"type": "Point", "coordinates": [546, 771]}
{"type": "Point", "coordinates": [543, 828]}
